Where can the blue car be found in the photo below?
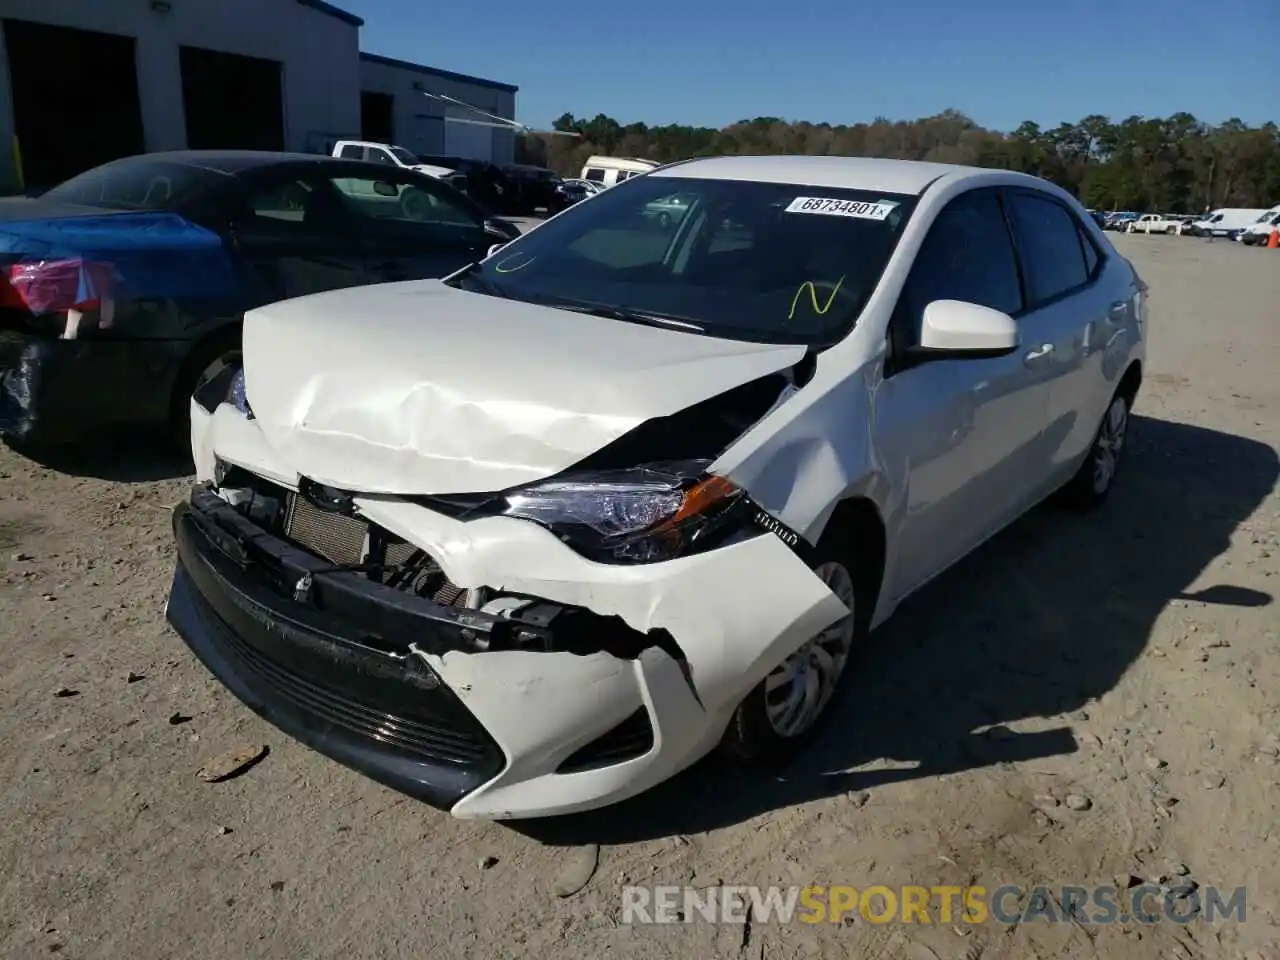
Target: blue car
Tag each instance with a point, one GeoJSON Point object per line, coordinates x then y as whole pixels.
{"type": "Point", "coordinates": [124, 288]}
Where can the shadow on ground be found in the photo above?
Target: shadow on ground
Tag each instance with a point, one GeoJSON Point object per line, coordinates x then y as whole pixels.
{"type": "Point", "coordinates": [1044, 617]}
{"type": "Point", "coordinates": [118, 457]}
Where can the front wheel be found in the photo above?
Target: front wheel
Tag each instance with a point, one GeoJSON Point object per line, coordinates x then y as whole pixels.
{"type": "Point", "coordinates": [1092, 483]}
{"type": "Point", "coordinates": [788, 707]}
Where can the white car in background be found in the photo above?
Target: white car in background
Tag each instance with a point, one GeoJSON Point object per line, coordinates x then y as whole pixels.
{"type": "Point", "coordinates": [1154, 223]}
{"type": "Point", "coordinates": [1260, 232]}
{"type": "Point", "coordinates": [532, 539]}
{"type": "Point", "coordinates": [391, 155]}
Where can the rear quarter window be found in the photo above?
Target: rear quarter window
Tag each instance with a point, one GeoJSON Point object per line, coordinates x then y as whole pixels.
{"type": "Point", "coordinates": [149, 185]}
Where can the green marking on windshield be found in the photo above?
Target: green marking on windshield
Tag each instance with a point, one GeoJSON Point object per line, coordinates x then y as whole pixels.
{"type": "Point", "coordinates": [820, 310]}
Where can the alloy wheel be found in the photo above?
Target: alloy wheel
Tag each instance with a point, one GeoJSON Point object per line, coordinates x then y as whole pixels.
{"type": "Point", "coordinates": [1109, 445]}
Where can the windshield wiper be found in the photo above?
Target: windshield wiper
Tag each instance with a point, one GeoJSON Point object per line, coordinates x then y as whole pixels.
{"type": "Point", "coordinates": [472, 272]}
{"type": "Point", "coordinates": [627, 315]}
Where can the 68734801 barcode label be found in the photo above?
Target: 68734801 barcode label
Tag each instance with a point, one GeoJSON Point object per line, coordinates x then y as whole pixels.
{"type": "Point", "coordinates": [832, 207]}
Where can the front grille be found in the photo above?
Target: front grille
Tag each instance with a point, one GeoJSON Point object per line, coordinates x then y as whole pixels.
{"type": "Point", "coordinates": [633, 737]}
{"type": "Point", "coordinates": [335, 536]}
{"type": "Point", "coordinates": [365, 697]}
{"type": "Point", "coordinates": [350, 541]}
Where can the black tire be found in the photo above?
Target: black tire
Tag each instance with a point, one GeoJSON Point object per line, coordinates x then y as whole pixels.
{"type": "Point", "coordinates": [223, 346]}
{"type": "Point", "coordinates": [1094, 481]}
{"type": "Point", "coordinates": [752, 738]}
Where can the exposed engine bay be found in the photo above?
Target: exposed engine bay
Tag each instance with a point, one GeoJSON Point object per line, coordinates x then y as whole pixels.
{"type": "Point", "coordinates": [322, 521]}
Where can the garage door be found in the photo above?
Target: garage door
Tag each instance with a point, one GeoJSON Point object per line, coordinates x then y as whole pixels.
{"type": "Point", "coordinates": [468, 140]}
{"type": "Point", "coordinates": [75, 99]}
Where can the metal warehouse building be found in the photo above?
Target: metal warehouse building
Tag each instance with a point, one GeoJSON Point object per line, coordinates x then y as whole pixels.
{"type": "Point", "coordinates": [85, 81]}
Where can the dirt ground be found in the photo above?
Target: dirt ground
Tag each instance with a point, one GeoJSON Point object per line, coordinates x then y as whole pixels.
{"type": "Point", "coordinates": [1128, 657]}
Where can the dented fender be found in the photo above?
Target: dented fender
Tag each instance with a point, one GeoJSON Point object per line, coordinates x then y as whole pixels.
{"type": "Point", "coordinates": [736, 612]}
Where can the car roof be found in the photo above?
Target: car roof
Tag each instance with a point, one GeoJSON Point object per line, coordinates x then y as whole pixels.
{"type": "Point", "coordinates": [847, 173]}
{"type": "Point", "coordinates": [226, 161]}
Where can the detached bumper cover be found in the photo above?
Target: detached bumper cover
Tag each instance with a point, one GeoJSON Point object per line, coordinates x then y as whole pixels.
{"type": "Point", "coordinates": [385, 714]}
{"type": "Point", "coordinates": [56, 391]}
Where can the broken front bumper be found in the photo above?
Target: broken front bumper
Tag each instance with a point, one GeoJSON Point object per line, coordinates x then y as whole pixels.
{"type": "Point", "coordinates": [60, 391]}
{"type": "Point", "coordinates": [576, 730]}
{"type": "Point", "coordinates": [348, 670]}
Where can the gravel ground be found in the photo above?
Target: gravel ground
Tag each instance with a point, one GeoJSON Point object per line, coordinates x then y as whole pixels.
{"type": "Point", "coordinates": [1127, 658]}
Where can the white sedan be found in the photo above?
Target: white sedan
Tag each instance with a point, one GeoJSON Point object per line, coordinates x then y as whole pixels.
{"type": "Point", "coordinates": [534, 538]}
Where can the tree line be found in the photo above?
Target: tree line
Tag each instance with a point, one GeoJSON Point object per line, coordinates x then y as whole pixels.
{"type": "Point", "coordinates": [1171, 164]}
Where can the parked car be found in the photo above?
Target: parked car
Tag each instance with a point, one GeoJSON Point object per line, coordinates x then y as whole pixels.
{"type": "Point", "coordinates": [390, 155]}
{"type": "Point", "coordinates": [481, 180]}
{"type": "Point", "coordinates": [669, 210]}
{"type": "Point", "coordinates": [1153, 223]}
{"type": "Point", "coordinates": [122, 288]}
{"type": "Point", "coordinates": [573, 191]}
{"type": "Point", "coordinates": [590, 186]}
{"type": "Point", "coordinates": [1121, 220]}
{"type": "Point", "coordinates": [531, 539]}
{"type": "Point", "coordinates": [1260, 232]}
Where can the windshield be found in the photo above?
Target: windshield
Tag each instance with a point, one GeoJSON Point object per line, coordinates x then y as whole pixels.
{"type": "Point", "coordinates": [403, 155]}
{"type": "Point", "coordinates": [770, 262]}
{"type": "Point", "coordinates": [136, 184]}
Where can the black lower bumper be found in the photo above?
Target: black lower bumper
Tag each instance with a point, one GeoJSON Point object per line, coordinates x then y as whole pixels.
{"type": "Point", "coordinates": [61, 391]}
{"type": "Point", "coordinates": [367, 704]}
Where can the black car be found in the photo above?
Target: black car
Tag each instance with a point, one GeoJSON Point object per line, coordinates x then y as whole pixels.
{"type": "Point", "coordinates": [122, 288]}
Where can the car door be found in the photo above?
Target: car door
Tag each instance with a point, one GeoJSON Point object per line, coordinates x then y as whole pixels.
{"type": "Point", "coordinates": [1068, 321]}
{"type": "Point", "coordinates": [295, 236]}
{"type": "Point", "coordinates": [962, 431]}
{"type": "Point", "coordinates": [412, 227]}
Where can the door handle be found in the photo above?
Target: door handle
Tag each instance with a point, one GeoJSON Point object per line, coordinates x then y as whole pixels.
{"type": "Point", "coordinates": [1117, 311]}
{"type": "Point", "coordinates": [1038, 353]}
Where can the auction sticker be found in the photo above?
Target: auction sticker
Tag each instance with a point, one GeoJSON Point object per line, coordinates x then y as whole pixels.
{"type": "Point", "coordinates": [841, 208]}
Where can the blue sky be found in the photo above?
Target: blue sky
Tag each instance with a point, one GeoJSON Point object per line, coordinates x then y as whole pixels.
{"type": "Point", "coordinates": [711, 62]}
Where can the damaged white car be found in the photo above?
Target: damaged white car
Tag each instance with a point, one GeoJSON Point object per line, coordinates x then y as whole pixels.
{"type": "Point", "coordinates": [534, 538]}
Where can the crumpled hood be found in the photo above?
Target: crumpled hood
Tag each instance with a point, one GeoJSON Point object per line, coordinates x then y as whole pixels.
{"type": "Point", "coordinates": [419, 388]}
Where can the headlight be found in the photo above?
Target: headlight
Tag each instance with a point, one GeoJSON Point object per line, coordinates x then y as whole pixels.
{"type": "Point", "coordinates": [235, 394]}
{"type": "Point", "coordinates": [641, 515]}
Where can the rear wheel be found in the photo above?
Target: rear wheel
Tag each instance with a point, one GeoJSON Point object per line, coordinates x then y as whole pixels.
{"type": "Point", "coordinates": [789, 706]}
{"type": "Point", "coordinates": [1092, 483]}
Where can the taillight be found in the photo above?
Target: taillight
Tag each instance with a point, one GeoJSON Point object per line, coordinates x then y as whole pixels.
{"type": "Point", "coordinates": [56, 286]}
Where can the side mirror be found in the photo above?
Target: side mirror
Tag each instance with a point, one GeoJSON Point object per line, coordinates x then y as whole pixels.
{"type": "Point", "coordinates": [953, 328]}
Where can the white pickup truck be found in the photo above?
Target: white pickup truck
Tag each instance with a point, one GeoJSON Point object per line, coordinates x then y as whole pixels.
{"type": "Point", "coordinates": [389, 154]}
{"type": "Point", "coordinates": [1154, 223]}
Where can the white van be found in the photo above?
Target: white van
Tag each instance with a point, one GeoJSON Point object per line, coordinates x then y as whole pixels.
{"type": "Point", "coordinates": [1260, 231]}
{"type": "Point", "coordinates": [609, 171]}
{"type": "Point", "coordinates": [1226, 222]}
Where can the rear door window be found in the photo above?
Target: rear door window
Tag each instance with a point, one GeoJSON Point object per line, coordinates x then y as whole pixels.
{"type": "Point", "coordinates": [352, 152]}
{"type": "Point", "coordinates": [1048, 238]}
